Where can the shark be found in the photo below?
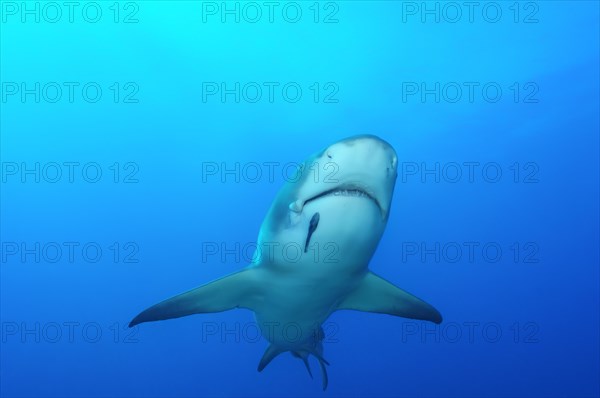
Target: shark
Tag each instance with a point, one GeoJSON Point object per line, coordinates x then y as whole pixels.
{"type": "Point", "coordinates": [334, 212]}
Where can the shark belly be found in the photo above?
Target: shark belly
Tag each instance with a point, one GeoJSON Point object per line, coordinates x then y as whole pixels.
{"type": "Point", "coordinates": [302, 291]}
{"type": "Point", "coordinates": [298, 304]}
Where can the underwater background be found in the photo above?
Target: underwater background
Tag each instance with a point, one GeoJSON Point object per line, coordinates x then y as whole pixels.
{"type": "Point", "coordinates": [143, 142]}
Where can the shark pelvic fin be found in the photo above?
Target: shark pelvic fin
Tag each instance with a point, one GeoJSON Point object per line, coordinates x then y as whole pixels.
{"type": "Point", "coordinates": [324, 376]}
{"type": "Point", "coordinates": [272, 351]}
{"type": "Point", "coordinates": [304, 356]}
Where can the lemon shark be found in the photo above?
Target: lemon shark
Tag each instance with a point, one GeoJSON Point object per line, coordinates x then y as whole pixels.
{"type": "Point", "coordinates": [341, 200]}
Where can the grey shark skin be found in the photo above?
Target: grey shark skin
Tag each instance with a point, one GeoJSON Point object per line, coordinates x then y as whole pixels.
{"type": "Point", "coordinates": [341, 204]}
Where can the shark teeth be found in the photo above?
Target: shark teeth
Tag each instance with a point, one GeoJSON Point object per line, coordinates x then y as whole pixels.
{"type": "Point", "coordinates": [350, 192]}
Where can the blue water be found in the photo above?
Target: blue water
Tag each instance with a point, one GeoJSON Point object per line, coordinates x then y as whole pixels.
{"type": "Point", "coordinates": [511, 260]}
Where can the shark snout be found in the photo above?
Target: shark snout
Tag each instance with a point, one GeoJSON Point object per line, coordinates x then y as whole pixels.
{"type": "Point", "coordinates": [369, 162]}
{"type": "Point", "coordinates": [367, 151]}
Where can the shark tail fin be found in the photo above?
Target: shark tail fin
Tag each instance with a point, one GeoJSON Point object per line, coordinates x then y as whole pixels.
{"type": "Point", "coordinates": [375, 294]}
{"type": "Point", "coordinates": [238, 290]}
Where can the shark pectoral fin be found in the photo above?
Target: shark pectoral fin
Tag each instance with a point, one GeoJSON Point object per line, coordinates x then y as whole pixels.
{"type": "Point", "coordinates": [375, 294]}
{"type": "Point", "coordinates": [233, 291]}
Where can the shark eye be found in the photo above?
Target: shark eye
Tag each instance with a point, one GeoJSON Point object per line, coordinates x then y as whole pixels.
{"type": "Point", "coordinates": [329, 154]}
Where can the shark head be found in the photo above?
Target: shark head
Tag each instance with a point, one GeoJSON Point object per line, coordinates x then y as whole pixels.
{"type": "Point", "coordinates": [341, 195]}
{"type": "Point", "coordinates": [357, 167]}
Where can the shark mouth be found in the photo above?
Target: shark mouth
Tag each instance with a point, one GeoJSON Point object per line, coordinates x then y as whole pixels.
{"type": "Point", "coordinates": [346, 191]}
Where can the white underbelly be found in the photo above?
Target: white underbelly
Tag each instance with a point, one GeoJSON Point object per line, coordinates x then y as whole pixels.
{"type": "Point", "coordinates": [294, 306]}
